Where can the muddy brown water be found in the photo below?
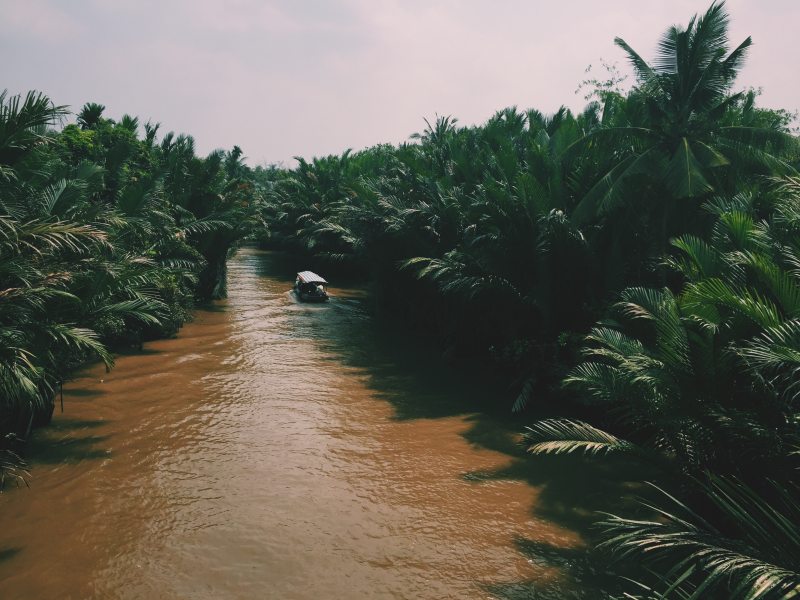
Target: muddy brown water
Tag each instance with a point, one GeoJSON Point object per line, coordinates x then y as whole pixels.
{"type": "Point", "coordinates": [282, 450]}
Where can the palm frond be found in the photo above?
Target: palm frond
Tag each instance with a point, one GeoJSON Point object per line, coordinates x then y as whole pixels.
{"type": "Point", "coordinates": [755, 559]}
{"type": "Point", "coordinates": [566, 436]}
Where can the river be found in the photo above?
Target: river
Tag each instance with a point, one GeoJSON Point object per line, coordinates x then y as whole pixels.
{"type": "Point", "coordinates": [282, 450]}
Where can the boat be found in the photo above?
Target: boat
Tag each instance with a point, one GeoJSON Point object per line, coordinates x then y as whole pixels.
{"type": "Point", "coordinates": [310, 287]}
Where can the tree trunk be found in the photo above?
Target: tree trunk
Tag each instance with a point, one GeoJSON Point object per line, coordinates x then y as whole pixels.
{"type": "Point", "coordinates": [213, 280]}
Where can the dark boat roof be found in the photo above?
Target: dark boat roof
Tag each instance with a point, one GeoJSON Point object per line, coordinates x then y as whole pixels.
{"type": "Point", "coordinates": [310, 277]}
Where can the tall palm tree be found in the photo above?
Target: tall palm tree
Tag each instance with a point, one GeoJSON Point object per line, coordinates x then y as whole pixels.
{"type": "Point", "coordinates": [672, 128]}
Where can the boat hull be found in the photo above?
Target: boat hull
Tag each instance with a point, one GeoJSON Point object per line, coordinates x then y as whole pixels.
{"type": "Point", "coordinates": [303, 297]}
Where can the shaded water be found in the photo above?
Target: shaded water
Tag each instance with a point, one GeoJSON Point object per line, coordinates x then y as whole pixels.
{"type": "Point", "coordinates": [284, 450]}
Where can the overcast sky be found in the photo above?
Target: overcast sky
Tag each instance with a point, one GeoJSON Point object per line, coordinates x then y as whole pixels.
{"type": "Point", "coordinates": [311, 77]}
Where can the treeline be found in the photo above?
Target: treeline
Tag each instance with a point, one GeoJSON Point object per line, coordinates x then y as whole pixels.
{"type": "Point", "coordinates": [641, 259]}
{"type": "Point", "coordinates": [107, 238]}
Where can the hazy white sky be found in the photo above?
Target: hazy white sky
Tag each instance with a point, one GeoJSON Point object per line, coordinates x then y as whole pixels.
{"type": "Point", "coordinates": [310, 77]}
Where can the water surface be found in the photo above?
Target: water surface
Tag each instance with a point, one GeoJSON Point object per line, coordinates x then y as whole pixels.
{"type": "Point", "coordinates": [283, 450]}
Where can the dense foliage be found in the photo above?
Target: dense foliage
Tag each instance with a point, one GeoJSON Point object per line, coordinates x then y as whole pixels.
{"type": "Point", "coordinates": [637, 263]}
{"type": "Point", "coordinates": [641, 258]}
{"type": "Point", "coordinates": [106, 239]}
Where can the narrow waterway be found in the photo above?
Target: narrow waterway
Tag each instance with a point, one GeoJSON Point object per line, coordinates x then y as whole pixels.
{"type": "Point", "coordinates": [284, 450]}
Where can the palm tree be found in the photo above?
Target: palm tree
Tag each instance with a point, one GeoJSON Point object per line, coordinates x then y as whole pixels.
{"type": "Point", "coordinates": [672, 127]}
{"type": "Point", "coordinates": [90, 115]}
{"type": "Point", "coordinates": [130, 123]}
{"type": "Point", "coordinates": [436, 137]}
{"type": "Point", "coordinates": [23, 125]}
{"type": "Point", "coordinates": [234, 164]}
{"type": "Point", "coordinates": [34, 251]}
{"type": "Point", "coordinates": [214, 212]}
{"type": "Point", "coordinates": [33, 262]}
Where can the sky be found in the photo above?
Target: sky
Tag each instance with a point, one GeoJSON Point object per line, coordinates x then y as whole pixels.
{"type": "Point", "coordinates": [285, 78]}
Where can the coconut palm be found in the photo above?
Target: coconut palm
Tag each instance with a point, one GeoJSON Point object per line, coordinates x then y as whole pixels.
{"type": "Point", "coordinates": [672, 128]}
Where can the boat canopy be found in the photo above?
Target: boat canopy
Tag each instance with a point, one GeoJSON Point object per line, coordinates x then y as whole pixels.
{"type": "Point", "coordinates": [310, 277]}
